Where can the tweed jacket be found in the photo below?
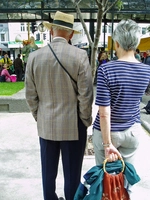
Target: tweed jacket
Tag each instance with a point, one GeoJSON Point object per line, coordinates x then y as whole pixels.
{"type": "Point", "coordinates": [53, 98]}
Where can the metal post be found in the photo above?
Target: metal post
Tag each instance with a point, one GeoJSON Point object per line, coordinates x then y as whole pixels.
{"type": "Point", "coordinates": [28, 30]}
{"type": "Point", "coordinates": [91, 28]}
{"type": "Point", "coordinates": [112, 30]}
{"type": "Point", "coordinates": [104, 30]}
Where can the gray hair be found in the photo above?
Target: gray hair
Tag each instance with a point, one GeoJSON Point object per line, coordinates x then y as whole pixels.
{"type": "Point", "coordinates": [127, 34]}
{"type": "Point", "coordinates": [55, 28]}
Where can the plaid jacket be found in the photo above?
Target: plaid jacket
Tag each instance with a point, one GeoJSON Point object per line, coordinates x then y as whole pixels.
{"type": "Point", "coordinates": [54, 99]}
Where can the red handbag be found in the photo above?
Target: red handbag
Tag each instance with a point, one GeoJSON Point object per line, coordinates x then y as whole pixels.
{"type": "Point", "coordinates": [113, 185]}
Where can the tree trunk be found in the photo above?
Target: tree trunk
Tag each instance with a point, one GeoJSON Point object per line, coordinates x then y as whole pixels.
{"type": "Point", "coordinates": [94, 48]}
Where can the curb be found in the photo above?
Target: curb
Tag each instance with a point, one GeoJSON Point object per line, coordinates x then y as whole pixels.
{"type": "Point", "coordinates": [15, 103]}
{"type": "Point", "coordinates": [145, 125]}
{"type": "Point", "coordinates": [145, 118]}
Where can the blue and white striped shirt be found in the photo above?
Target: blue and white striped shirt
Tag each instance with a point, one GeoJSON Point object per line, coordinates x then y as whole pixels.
{"type": "Point", "coordinates": [121, 85]}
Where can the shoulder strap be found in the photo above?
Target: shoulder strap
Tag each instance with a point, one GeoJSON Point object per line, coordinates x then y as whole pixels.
{"type": "Point", "coordinates": [61, 64]}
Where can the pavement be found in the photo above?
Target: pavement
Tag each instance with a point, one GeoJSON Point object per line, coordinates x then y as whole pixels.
{"type": "Point", "coordinates": [20, 169]}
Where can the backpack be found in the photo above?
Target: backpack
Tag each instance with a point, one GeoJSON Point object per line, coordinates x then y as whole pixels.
{"type": "Point", "coordinates": [147, 107]}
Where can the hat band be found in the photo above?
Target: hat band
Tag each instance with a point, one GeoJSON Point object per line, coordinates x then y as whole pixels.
{"type": "Point", "coordinates": [62, 23]}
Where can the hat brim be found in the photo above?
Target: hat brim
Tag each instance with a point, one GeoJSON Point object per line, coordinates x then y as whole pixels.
{"type": "Point", "coordinates": [49, 25]}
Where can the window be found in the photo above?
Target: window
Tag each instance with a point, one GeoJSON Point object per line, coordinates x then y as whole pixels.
{"type": "Point", "coordinates": [82, 32]}
{"type": "Point", "coordinates": [143, 30]}
{"type": "Point", "coordinates": [2, 37]}
{"type": "Point", "coordinates": [22, 27]}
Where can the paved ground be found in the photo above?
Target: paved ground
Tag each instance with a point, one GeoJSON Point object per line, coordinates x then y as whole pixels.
{"type": "Point", "coordinates": [20, 175]}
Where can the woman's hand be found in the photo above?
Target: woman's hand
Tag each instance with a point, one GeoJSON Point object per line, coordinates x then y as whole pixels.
{"type": "Point", "coordinates": [111, 153]}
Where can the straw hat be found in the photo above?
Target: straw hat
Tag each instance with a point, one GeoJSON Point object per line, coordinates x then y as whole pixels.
{"type": "Point", "coordinates": [62, 20]}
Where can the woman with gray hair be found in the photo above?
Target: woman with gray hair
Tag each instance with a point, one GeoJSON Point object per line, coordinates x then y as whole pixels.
{"type": "Point", "coordinates": [120, 86]}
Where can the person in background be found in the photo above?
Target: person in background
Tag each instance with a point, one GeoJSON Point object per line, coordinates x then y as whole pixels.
{"type": "Point", "coordinates": [120, 86]}
{"type": "Point", "coordinates": [102, 58]}
{"type": "Point", "coordinates": [62, 107]}
{"type": "Point", "coordinates": [147, 58]}
{"type": "Point", "coordinates": [102, 50]}
{"type": "Point", "coordinates": [18, 66]}
{"type": "Point", "coordinates": [28, 47]}
{"type": "Point", "coordinates": [147, 61]}
{"type": "Point", "coordinates": [4, 72]}
{"type": "Point", "coordinates": [8, 61]}
{"type": "Point", "coordinates": [137, 55]}
{"type": "Point", "coordinates": [142, 56]}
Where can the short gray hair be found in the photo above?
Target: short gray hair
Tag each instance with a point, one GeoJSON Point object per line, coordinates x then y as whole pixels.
{"type": "Point", "coordinates": [127, 34]}
{"type": "Point", "coordinates": [55, 28]}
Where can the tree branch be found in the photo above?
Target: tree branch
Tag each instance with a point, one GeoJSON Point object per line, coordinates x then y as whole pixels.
{"type": "Point", "coordinates": [83, 23]}
{"type": "Point", "coordinates": [77, 1]}
{"type": "Point", "coordinates": [110, 7]}
{"type": "Point", "coordinates": [105, 3]}
{"type": "Point", "coordinates": [99, 4]}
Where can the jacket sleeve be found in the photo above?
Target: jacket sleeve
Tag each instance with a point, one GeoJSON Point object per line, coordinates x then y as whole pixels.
{"type": "Point", "coordinates": [85, 90]}
{"type": "Point", "coordinates": [30, 90]}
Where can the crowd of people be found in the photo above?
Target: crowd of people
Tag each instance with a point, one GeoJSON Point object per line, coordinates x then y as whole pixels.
{"type": "Point", "coordinates": [9, 68]}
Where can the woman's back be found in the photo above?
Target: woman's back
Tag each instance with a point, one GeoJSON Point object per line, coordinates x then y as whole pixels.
{"type": "Point", "coordinates": [121, 84]}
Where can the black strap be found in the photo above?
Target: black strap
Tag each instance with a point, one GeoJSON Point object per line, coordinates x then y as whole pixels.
{"type": "Point", "coordinates": [61, 64]}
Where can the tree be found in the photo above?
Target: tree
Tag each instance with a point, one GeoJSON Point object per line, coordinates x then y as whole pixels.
{"type": "Point", "coordinates": [103, 7]}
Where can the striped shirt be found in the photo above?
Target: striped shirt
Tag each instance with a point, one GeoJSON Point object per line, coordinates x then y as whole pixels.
{"type": "Point", "coordinates": [121, 85]}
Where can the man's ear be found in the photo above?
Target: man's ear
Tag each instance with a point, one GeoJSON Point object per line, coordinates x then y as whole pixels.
{"type": "Point", "coordinates": [71, 35]}
{"type": "Point", "coordinates": [51, 31]}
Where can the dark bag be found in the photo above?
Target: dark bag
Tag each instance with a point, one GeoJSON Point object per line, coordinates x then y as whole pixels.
{"type": "Point", "coordinates": [147, 107]}
{"type": "Point", "coordinates": [2, 78]}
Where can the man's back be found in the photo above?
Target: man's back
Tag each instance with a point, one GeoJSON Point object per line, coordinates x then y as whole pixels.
{"type": "Point", "coordinates": [60, 99]}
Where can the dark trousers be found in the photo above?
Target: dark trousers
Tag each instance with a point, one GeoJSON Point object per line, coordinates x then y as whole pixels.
{"type": "Point", "coordinates": [72, 156]}
{"type": "Point", "coordinates": [18, 72]}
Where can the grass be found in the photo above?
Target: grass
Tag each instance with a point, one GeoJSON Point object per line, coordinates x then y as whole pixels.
{"type": "Point", "coordinates": [7, 89]}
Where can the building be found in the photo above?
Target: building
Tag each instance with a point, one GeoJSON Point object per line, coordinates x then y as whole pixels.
{"type": "Point", "coordinates": [81, 40]}
{"type": "Point", "coordinates": [9, 31]}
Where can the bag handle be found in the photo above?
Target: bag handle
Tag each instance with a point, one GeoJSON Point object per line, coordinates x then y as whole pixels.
{"type": "Point", "coordinates": [106, 160]}
{"type": "Point", "coordinates": [61, 64]}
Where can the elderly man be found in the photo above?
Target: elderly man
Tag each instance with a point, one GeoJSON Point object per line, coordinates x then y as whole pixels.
{"type": "Point", "coordinates": [60, 94]}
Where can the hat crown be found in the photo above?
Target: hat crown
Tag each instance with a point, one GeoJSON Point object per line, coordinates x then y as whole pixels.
{"type": "Point", "coordinates": [62, 20]}
{"type": "Point", "coordinates": [64, 17]}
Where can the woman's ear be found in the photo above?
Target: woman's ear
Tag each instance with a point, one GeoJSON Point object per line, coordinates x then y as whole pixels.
{"type": "Point", "coordinates": [116, 45]}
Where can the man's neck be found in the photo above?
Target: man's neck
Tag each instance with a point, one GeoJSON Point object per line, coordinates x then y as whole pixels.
{"type": "Point", "coordinates": [59, 37]}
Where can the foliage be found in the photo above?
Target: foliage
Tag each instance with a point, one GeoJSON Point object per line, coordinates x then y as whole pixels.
{"type": "Point", "coordinates": [10, 88]}
{"type": "Point", "coordinates": [119, 5]}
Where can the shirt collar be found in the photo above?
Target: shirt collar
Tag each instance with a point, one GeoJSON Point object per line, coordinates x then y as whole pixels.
{"type": "Point", "coordinates": [59, 38]}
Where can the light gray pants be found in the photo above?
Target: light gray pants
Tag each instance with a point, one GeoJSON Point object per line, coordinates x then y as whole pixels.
{"type": "Point", "coordinates": [126, 142]}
